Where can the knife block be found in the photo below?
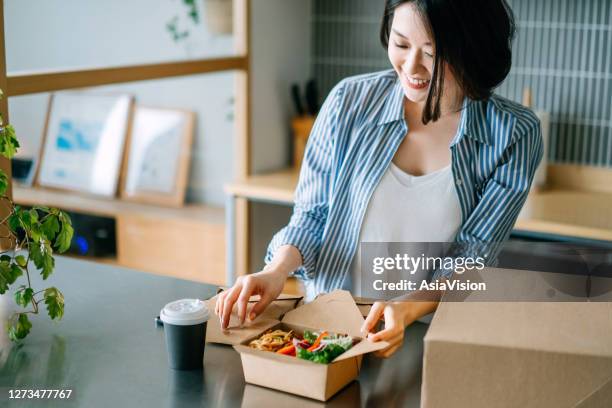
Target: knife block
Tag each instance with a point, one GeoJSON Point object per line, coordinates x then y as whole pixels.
{"type": "Point", "coordinates": [301, 127]}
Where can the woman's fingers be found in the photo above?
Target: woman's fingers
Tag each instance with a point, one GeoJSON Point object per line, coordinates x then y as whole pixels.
{"type": "Point", "coordinates": [260, 306]}
{"type": "Point", "coordinates": [218, 303]}
{"type": "Point", "coordinates": [221, 301]}
{"type": "Point", "coordinates": [228, 305]}
{"type": "Point", "coordinates": [393, 333]}
{"type": "Point", "coordinates": [377, 310]}
{"type": "Point", "coordinates": [387, 334]}
{"type": "Point", "coordinates": [395, 342]}
{"type": "Point", "coordinates": [248, 287]}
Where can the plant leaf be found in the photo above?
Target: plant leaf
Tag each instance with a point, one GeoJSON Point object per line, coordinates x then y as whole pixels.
{"type": "Point", "coordinates": [64, 238]}
{"type": "Point", "coordinates": [8, 142]}
{"type": "Point", "coordinates": [13, 222]}
{"type": "Point", "coordinates": [42, 255]}
{"type": "Point", "coordinates": [64, 217]}
{"type": "Point", "coordinates": [16, 272]}
{"type": "Point", "coordinates": [55, 302]}
{"type": "Point", "coordinates": [21, 260]}
{"type": "Point", "coordinates": [24, 217]}
{"type": "Point", "coordinates": [19, 328]}
{"type": "Point", "coordinates": [50, 226]}
{"type": "Point", "coordinates": [20, 219]}
{"type": "Point", "coordinates": [8, 275]}
{"type": "Point", "coordinates": [3, 283]}
{"type": "Point", "coordinates": [24, 296]}
{"type": "Point", "coordinates": [33, 216]}
{"type": "Point", "coordinates": [3, 183]}
{"type": "Point", "coordinates": [35, 232]}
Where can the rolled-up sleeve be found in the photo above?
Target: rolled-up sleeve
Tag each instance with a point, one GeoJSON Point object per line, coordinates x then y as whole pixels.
{"type": "Point", "coordinates": [490, 223]}
{"type": "Point", "coordinates": [305, 228]}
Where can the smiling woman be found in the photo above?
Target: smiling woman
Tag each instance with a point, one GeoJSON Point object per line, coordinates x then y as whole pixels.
{"type": "Point", "coordinates": [424, 152]}
{"type": "Point", "coordinates": [472, 47]}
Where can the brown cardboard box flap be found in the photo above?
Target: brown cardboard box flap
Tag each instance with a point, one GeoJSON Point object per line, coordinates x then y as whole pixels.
{"type": "Point", "coordinates": [335, 312]}
{"type": "Point", "coordinates": [236, 334]}
{"type": "Point", "coordinates": [363, 347]}
{"type": "Point", "coordinates": [577, 328]}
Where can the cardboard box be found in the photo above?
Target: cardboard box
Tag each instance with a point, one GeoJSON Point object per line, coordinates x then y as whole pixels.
{"type": "Point", "coordinates": [236, 334]}
{"type": "Point", "coordinates": [335, 312]}
{"type": "Point", "coordinates": [518, 354]}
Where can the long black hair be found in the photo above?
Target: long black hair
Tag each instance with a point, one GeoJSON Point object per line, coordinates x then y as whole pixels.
{"type": "Point", "coordinates": [474, 37]}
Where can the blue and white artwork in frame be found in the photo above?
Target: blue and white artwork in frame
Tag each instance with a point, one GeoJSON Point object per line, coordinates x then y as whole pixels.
{"type": "Point", "coordinates": [83, 144]}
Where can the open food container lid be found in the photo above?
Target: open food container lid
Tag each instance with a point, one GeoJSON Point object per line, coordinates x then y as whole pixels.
{"type": "Point", "coordinates": [185, 312]}
{"type": "Point", "coordinates": [236, 333]}
{"type": "Point", "coordinates": [335, 312]}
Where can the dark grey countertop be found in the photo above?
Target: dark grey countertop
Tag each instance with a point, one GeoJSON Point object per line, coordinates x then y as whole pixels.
{"type": "Point", "coordinates": [108, 350]}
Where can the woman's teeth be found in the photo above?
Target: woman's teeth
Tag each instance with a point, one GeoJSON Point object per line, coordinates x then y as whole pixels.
{"type": "Point", "coordinates": [418, 82]}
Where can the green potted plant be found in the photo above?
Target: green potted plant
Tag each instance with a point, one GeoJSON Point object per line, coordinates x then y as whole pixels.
{"type": "Point", "coordinates": [33, 235]}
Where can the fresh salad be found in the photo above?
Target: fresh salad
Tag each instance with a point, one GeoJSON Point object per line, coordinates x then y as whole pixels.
{"type": "Point", "coordinates": [319, 347]}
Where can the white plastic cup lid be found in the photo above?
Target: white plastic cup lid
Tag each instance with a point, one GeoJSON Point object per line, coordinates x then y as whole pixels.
{"type": "Point", "coordinates": [185, 312]}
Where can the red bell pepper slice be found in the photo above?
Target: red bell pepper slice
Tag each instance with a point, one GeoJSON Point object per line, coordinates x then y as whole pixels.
{"type": "Point", "coordinates": [317, 341]}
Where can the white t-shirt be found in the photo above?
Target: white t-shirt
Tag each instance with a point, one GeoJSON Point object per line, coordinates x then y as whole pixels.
{"type": "Point", "coordinates": [407, 208]}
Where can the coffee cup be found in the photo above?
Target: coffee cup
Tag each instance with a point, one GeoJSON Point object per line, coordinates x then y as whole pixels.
{"type": "Point", "coordinates": [185, 331]}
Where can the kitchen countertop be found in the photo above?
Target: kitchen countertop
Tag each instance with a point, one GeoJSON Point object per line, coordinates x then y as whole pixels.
{"type": "Point", "coordinates": [108, 350]}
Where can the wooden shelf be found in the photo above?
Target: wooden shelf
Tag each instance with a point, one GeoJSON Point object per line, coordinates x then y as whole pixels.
{"type": "Point", "coordinates": [277, 187]}
{"type": "Point", "coordinates": [107, 207]}
{"type": "Point", "coordinates": [25, 83]}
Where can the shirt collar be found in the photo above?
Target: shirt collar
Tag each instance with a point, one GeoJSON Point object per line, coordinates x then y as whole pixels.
{"type": "Point", "coordinates": [472, 113]}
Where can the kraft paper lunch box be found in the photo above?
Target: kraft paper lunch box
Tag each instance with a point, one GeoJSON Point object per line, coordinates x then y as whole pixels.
{"type": "Point", "coordinates": [335, 312]}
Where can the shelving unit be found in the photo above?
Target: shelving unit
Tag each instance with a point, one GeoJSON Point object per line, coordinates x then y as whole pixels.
{"type": "Point", "coordinates": [187, 242]}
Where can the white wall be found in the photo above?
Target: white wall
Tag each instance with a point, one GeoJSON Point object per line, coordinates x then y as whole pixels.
{"type": "Point", "coordinates": [281, 48]}
{"type": "Point", "coordinates": [43, 34]}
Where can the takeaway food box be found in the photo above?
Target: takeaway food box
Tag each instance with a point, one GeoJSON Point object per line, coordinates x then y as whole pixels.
{"type": "Point", "coordinates": [335, 312]}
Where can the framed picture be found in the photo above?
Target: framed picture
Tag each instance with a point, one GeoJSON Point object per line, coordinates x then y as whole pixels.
{"type": "Point", "coordinates": [158, 156]}
{"type": "Point", "coordinates": [83, 142]}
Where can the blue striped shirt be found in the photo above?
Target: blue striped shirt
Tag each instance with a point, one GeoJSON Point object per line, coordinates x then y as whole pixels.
{"type": "Point", "coordinates": [494, 156]}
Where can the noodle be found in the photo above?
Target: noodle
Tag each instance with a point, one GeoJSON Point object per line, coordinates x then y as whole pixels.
{"type": "Point", "coordinates": [272, 340]}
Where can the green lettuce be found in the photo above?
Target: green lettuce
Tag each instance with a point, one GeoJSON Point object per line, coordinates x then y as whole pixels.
{"type": "Point", "coordinates": [331, 347]}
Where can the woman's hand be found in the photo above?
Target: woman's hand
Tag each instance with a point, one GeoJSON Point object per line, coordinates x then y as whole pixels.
{"type": "Point", "coordinates": [397, 316]}
{"type": "Point", "coordinates": [268, 284]}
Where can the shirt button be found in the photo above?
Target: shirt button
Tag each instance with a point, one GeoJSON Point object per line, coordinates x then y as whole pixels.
{"type": "Point", "coordinates": [459, 182]}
